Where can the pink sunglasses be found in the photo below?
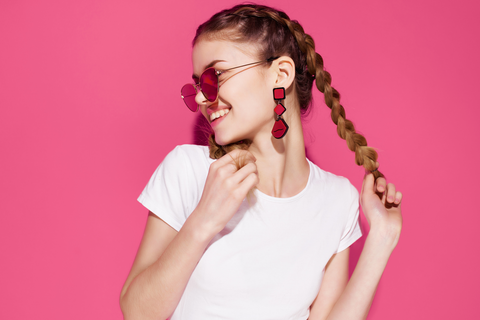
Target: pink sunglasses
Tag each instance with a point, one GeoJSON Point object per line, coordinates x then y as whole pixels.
{"type": "Point", "coordinates": [208, 85]}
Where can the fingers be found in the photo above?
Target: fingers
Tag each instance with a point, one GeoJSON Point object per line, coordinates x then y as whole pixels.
{"type": "Point", "coordinates": [367, 185]}
{"type": "Point", "coordinates": [390, 193]}
{"type": "Point", "coordinates": [398, 197]}
{"type": "Point", "coordinates": [233, 161]}
{"type": "Point", "coordinates": [381, 184]}
{"type": "Point", "coordinates": [245, 176]}
{"type": "Point", "coordinates": [235, 154]}
{"type": "Point", "coordinates": [387, 192]}
{"type": "Point", "coordinates": [230, 176]}
{"type": "Point", "coordinates": [391, 196]}
{"type": "Point", "coordinates": [245, 155]}
{"type": "Point", "coordinates": [244, 172]}
{"type": "Point", "coordinates": [248, 183]}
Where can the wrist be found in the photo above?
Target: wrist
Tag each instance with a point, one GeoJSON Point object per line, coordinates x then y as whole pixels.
{"type": "Point", "coordinates": [199, 228]}
{"type": "Point", "coordinates": [384, 236]}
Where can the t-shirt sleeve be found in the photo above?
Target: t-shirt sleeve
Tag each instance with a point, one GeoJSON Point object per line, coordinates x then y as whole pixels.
{"type": "Point", "coordinates": [169, 194]}
{"type": "Point", "coordinates": [352, 230]}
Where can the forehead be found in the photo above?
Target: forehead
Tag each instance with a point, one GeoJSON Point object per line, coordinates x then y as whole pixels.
{"type": "Point", "coordinates": [206, 51]}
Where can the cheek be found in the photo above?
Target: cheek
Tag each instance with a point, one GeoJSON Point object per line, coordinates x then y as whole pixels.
{"type": "Point", "coordinates": [261, 101]}
{"type": "Point", "coordinates": [250, 94]}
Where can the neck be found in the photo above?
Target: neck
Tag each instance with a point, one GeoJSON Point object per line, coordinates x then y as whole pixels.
{"type": "Point", "coordinates": [282, 166]}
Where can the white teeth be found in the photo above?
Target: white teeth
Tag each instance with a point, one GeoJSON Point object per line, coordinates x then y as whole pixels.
{"type": "Point", "coordinates": [219, 114]}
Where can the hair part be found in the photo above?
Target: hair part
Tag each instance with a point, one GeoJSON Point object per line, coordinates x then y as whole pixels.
{"type": "Point", "coordinates": [273, 34]}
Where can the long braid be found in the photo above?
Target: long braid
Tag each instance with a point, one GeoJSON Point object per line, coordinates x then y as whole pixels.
{"type": "Point", "coordinates": [357, 143]}
{"type": "Point", "coordinates": [307, 58]}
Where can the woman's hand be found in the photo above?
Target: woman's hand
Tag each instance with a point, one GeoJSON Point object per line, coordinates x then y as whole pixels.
{"type": "Point", "coordinates": [381, 204]}
{"type": "Point", "coordinates": [225, 189]}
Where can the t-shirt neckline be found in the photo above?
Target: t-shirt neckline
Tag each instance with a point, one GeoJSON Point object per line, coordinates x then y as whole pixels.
{"type": "Point", "coordinates": [264, 196]}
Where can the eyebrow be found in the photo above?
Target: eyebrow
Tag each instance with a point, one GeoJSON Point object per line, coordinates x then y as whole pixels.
{"type": "Point", "coordinates": [211, 64]}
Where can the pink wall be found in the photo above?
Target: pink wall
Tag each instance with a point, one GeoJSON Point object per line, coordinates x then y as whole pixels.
{"type": "Point", "coordinates": [90, 105]}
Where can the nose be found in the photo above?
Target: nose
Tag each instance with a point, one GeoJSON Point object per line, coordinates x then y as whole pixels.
{"type": "Point", "coordinates": [202, 101]}
{"type": "Point", "coordinates": [200, 98]}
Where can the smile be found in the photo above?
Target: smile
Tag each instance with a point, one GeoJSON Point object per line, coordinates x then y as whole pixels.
{"type": "Point", "coordinates": [218, 114]}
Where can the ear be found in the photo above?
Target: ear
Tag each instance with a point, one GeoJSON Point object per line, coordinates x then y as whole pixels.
{"type": "Point", "coordinates": [284, 69]}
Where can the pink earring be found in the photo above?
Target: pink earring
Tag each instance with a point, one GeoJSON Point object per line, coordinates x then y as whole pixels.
{"type": "Point", "coordinates": [280, 127]}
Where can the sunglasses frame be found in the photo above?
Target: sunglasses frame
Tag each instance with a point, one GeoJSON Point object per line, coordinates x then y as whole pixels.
{"type": "Point", "coordinates": [197, 86]}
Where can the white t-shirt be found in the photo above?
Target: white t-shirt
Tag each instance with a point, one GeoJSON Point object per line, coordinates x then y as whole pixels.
{"type": "Point", "coordinates": [269, 261]}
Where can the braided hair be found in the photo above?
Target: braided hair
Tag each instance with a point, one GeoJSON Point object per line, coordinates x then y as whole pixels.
{"type": "Point", "coordinates": [275, 34]}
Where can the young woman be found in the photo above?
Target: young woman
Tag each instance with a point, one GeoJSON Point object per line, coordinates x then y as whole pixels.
{"type": "Point", "coordinates": [249, 228]}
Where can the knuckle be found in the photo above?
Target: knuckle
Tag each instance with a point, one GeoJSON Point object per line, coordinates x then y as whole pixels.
{"type": "Point", "coordinates": [251, 166]}
{"type": "Point", "coordinates": [222, 173]}
{"type": "Point", "coordinates": [248, 154]}
{"type": "Point", "coordinates": [228, 184]}
{"type": "Point", "coordinates": [256, 180]}
{"type": "Point", "coordinates": [238, 194]}
{"type": "Point", "coordinates": [214, 166]}
{"type": "Point", "coordinates": [252, 180]}
{"type": "Point", "coordinates": [234, 153]}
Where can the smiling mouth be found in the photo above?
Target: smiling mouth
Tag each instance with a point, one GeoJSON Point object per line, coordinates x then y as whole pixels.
{"type": "Point", "coordinates": [220, 113]}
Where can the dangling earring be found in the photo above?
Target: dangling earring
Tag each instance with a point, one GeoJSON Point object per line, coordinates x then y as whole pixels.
{"type": "Point", "coordinates": [280, 127]}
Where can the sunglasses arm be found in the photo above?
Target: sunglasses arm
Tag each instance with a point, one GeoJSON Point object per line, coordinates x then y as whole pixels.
{"type": "Point", "coordinates": [219, 72]}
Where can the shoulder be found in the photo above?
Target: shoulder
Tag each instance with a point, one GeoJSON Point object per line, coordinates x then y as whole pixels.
{"type": "Point", "coordinates": [189, 154]}
{"type": "Point", "coordinates": [184, 162]}
{"type": "Point", "coordinates": [176, 186]}
{"type": "Point", "coordinates": [332, 183]}
{"type": "Point", "coordinates": [189, 151]}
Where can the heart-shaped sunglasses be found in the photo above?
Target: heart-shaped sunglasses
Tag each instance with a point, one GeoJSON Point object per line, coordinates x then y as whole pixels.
{"type": "Point", "coordinates": [208, 85]}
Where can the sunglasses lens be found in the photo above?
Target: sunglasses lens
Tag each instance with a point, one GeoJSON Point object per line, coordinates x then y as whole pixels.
{"type": "Point", "coordinates": [209, 84]}
{"type": "Point", "coordinates": [188, 95]}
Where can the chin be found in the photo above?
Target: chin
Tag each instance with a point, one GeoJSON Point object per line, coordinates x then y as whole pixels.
{"type": "Point", "coordinates": [224, 140]}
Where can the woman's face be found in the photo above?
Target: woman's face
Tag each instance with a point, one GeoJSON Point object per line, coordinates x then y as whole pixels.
{"type": "Point", "coordinates": [245, 92]}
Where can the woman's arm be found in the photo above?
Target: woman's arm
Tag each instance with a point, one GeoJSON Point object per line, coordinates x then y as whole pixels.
{"type": "Point", "coordinates": [381, 205]}
{"type": "Point", "coordinates": [356, 299]}
{"type": "Point", "coordinates": [163, 265]}
{"type": "Point", "coordinates": [333, 284]}
{"type": "Point", "coordinates": [166, 259]}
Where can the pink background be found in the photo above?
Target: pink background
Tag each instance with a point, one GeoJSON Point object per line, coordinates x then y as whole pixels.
{"type": "Point", "coordinates": [90, 105]}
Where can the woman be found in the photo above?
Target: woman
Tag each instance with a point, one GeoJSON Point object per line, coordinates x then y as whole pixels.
{"type": "Point", "coordinates": [261, 232]}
